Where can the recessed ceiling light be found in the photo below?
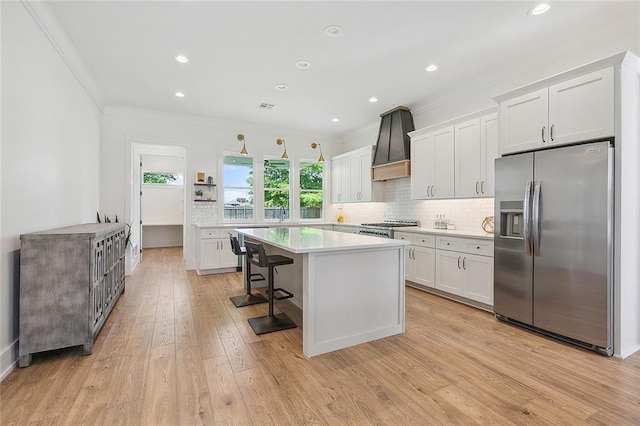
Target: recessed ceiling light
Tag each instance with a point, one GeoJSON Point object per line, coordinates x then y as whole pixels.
{"type": "Point", "coordinates": [333, 31]}
{"type": "Point", "coordinates": [335, 119]}
{"type": "Point", "coordinates": [373, 99]}
{"type": "Point", "coordinates": [432, 68]}
{"type": "Point", "coordinates": [539, 9]}
{"type": "Point", "coordinates": [182, 59]}
{"type": "Point", "coordinates": [303, 65]}
{"type": "Point", "coordinates": [180, 94]}
{"type": "Point", "coordinates": [281, 87]}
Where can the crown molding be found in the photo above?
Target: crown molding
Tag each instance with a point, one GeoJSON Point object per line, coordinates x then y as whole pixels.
{"type": "Point", "coordinates": [43, 16]}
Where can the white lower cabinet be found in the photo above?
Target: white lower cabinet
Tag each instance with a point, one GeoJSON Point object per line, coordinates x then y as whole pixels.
{"type": "Point", "coordinates": [459, 266]}
{"type": "Point", "coordinates": [477, 279]}
{"type": "Point", "coordinates": [214, 250]}
{"type": "Point", "coordinates": [419, 258]}
{"type": "Point", "coordinates": [464, 267]}
{"type": "Point", "coordinates": [449, 272]}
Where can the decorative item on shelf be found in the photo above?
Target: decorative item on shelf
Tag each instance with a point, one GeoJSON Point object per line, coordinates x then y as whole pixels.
{"type": "Point", "coordinates": [199, 194]}
{"type": "Point", "coordinates": [488, 225]}
{"type": "Point", "coordinates": [210, 180]}
{"type": "Point", "coordinates": [340, 218]}
{"type": "Point", "coordinates": [200, 177]}
{"type": "Point", "coordinates": [317, 145]}
{"type": "Point", "coordinates": [284, 155]}
{"type": "Point", "coordinates": [243, 151]}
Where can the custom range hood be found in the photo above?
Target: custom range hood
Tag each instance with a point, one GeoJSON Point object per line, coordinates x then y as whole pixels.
{"type": "Point", "coordinates": [393, 149]}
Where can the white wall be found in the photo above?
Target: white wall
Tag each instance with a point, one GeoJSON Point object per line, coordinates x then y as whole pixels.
{"type": "Point", "coordinates": [205, 140]}
{"type": "Point", "coordinates": [50, 145]}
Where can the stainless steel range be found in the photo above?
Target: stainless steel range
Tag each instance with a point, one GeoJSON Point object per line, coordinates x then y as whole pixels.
{"type": "Point", "coordinates": [385, 229]}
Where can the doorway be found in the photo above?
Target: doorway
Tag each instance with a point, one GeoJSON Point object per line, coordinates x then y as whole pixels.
{"type": "Point", "coordinates": [164, 157]}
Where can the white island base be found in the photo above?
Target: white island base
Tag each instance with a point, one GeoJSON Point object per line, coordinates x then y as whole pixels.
{"type": "Point", "coordinates": [351, 286]}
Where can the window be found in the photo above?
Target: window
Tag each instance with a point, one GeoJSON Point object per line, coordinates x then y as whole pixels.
{"type": "Point", "coordinates": [237, 177]}
{"type": "Point", "coordinates": [276, 189]}
{"type": "Point", "coordinates": [162, 178]}
{"type": "Point", "coordinates": [311, 190]}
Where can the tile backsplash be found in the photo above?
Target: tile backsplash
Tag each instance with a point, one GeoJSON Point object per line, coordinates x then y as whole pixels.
{"type": "Point", "coordinates": [202, 212]}
{"type": "Point", "coordinates": [466, 214]}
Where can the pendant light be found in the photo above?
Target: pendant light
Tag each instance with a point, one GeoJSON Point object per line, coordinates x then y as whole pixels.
{"type": "Point", "coordinates": [317, 145]}
{"type": "Point", "coordinates": [243, 151]}
{"type": "Point", "coordinates": [284, 155]}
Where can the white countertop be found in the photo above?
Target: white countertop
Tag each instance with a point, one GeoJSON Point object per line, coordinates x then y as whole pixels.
{"type": "Point", "coordinates": [308, 240]}
{"type": "Point", "coordinates": [447, 232]}
{"type": "Point", "coordinates": [259, 225]}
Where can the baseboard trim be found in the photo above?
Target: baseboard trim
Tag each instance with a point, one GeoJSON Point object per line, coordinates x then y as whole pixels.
{"type": "Point", "coordinates": [8, 360]}
{"type": "Point", "coordinates": [627, 352]}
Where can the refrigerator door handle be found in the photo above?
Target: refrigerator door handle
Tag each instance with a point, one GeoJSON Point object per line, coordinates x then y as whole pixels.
{"type": "Point", "coordinates": [535, 217]}
{"type": "Point", "coordinates": [527, 216]}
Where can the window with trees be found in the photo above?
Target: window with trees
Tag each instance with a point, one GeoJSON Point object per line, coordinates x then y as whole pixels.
{"type": "Point", "coordinates": [276, 189]}
{"type": "Point", "coordinates": [162, 178]}
{"type": "Point", "coordinates": [311, 190]}
{"type": "Point", "coordinates": [237, 177]}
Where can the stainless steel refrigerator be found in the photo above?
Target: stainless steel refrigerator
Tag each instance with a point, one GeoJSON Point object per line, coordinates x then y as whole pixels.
{"type": "Point", "coordinates": [554, 242]}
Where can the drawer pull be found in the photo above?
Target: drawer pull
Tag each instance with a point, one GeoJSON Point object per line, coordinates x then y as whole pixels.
{"type": "Point", "coordinates": [478, 247]}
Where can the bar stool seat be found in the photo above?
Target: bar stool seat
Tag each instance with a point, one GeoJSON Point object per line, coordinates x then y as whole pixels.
{"type": "Point", "coordinates": [272, 322]}
{"type": "Point", "coordinates": [248, 298]}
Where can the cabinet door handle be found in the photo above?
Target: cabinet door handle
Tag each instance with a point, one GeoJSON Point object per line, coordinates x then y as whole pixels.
{"type": "Point", "coordinates": [482, 187]}
{"type": "Point", "coordinates": [458, 262]}
{"type": "Point", "coordinates": [221, 245]}
{"type": "Point", "coordinates": [551, 131]}
{"type": "Point", "coordinates": [543, 129]}
{"type": "Point", "coordinates": [464, 259]}
{"type": "Point", "coordinates": [217, 245]}
{"type": "Point", "coordinates": [477, 187]}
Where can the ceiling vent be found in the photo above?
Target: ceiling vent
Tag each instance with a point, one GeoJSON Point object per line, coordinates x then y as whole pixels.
{"type": "Point", "coordinates": [265, 105]}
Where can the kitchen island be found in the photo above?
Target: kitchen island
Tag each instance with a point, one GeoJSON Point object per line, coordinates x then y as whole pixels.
{"type": "Point", "coordinates": [350, 287]}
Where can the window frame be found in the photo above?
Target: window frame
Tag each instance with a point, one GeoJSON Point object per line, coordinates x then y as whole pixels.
{"type": "Point", "coordinates": [221, 209]}
{"type": "Point", "coordinates": [290, 189]}
{"type": "Point", "coordinates": [300, 191]}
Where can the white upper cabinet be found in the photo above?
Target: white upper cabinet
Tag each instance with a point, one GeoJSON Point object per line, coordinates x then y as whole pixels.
{"type": "Point", "coordinates": [522, 121]}
{"type": "Point", "coordinates": [581, 108]}
{"type": "Point", "coordinates": [468, 158]}
{"type": "Point", "coordinates": [432, 164]}
{"type": "Point", "coordinates": [488, 153]}
{"type": "Point", "coordinates": [351, 178]}
{"type": "Point", "coordinates": [336, 181]}
{"type": "Point", "coordinates": [575, 110]}
{"type": "Point", "coordinates": [456, 159]}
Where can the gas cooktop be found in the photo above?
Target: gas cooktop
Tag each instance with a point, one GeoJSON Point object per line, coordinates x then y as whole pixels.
{"type": "Point", "coordinates": [391, 223]}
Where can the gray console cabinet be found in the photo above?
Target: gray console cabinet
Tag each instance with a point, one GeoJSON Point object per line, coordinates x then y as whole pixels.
{"type": "Point", "coordinates": [70, 279]}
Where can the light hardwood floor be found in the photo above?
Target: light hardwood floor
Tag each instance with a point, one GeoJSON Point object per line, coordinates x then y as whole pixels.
{"type": "Point", "coordinates": [176, 351]}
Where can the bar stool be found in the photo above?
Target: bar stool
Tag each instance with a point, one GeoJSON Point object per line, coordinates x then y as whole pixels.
{"type": "Point", "coordinates": [248, 298]}
{"type": "Point", "coordinates": [270, 323]}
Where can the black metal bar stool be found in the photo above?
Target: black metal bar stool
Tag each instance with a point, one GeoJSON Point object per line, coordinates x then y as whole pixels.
{"type": "Point", "coordinates": [248, 298]}
{"type": "Point", "coordinates": [270, 323]}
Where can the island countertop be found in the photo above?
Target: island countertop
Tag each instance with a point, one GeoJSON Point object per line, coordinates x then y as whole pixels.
{"type": "Point", "coordinates": [313, 240]}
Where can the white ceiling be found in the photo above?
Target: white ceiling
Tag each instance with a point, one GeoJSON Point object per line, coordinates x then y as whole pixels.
{"type": "Point", "coordinates": [240, 50]}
